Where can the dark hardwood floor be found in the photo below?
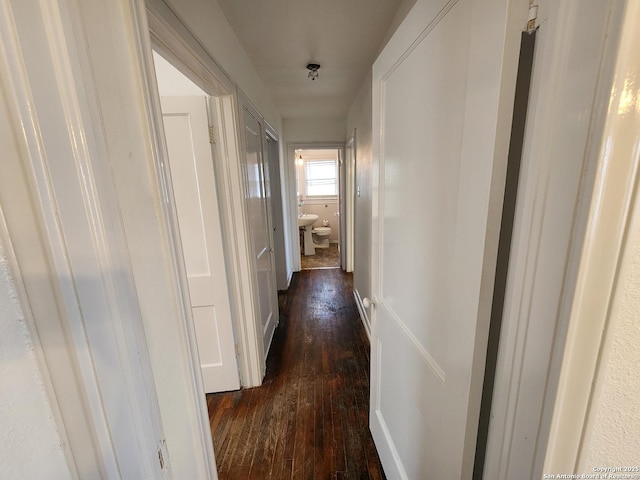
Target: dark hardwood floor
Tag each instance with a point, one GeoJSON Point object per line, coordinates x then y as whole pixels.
{"type": "Point", "coordinates": [309, 420]}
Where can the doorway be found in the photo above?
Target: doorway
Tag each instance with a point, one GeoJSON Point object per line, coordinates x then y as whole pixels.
{"type": "Point", "coordinates": [319, 200]}
{"type": "Point", "coordinates": [185, 115]}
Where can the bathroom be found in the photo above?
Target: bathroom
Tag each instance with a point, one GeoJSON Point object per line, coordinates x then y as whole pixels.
{"type": "Point", "coordinates": [317, 174]}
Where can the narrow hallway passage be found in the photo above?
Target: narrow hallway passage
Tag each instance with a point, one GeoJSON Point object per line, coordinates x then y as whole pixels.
{"type": "Point", "coordinates": [309, 420]}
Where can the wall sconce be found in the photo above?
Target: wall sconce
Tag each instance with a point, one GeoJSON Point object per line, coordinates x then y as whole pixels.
{"type": "Point", "coordinates": [299, 161]}
{"type": "Point", "coordinates": [313, 70]}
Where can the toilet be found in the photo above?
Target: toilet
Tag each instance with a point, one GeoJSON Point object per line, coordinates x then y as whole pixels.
{"type": "Point", "coordinates": [321, 237]}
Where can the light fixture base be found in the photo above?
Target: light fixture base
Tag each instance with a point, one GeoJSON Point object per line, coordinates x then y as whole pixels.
{"type": "Point", "coordinates": [313, 70]}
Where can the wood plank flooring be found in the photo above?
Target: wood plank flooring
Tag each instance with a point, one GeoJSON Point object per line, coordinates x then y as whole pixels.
{"type": "Point", "coordinates": [309, 420]}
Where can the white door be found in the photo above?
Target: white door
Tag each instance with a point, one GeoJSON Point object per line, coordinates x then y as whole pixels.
{"type": "Point", "coordinates": [186, 127]}
{"type": "Point", "coordinates": [259, 207]}
{"type": "Point", "coordinates": [435, 106]}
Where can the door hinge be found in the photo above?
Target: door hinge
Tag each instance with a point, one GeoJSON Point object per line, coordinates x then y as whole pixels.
{"type": "Point", "coordinates": [533, 16]}
{"type": "Point", "coordinates": [162, 450]}
{"type": "Point", "coordinates": [212, 134]}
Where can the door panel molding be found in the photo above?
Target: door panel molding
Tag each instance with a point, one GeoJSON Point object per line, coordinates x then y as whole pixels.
{"type": "Point", "coordinates": [434, 366]}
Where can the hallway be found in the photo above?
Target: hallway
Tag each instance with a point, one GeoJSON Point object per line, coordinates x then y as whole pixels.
{"type": "Point", "coordinates": [310, 417]}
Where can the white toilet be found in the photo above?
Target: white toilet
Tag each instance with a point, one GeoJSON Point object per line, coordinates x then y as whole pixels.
{"type": "Point", "coordinates": [321, 237]}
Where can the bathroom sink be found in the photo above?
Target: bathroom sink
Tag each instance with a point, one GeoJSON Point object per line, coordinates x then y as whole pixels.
{"type": "Point", "coordinates": [307, 219]}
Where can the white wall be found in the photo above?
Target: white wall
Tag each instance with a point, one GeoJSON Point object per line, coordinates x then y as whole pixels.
{"type": "Point", "coordinates": [30, 446]}
{"type": "Point", "coordinates": [326, 210]}
{"type": "Point", "coordinates": [207, 21]}
{"type": "Point", "coordinates": [314, 130]}
{"type": "Point", "coordinates": [172, 82]}
{"type": "Point", "coordinates": [360, 119]}
{"type": "Point", "coordinates": [615, 411]}
{"type": "Point", "coordinates": [398, 17]}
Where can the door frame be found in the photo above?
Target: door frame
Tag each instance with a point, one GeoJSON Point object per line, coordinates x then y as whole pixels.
{"type": "Point", "coordinates": [517, 415]}
{"type": "Point", "coordinates": [74, 267]}
{"type": "Point", "coordinates": [177, 44]}
{"type": "Point", "coordinates": [293, 177]}
{"type": "Point", "coordinates": [613, 215]}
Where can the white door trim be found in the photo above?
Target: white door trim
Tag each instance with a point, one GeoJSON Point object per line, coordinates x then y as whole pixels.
{"type": "Point", "coordinates": [29, 251]}
{"type": "Point", "coordinates": [253, 328]}
{"type": "Point", "coordinates": [613, 209]}
{"type": "Point", "coordinates": [69, 244]}
{"type": "Point", "coordinates": [236, 231]}
{"type": "Point", "coordinates": [176, 43]}
{"type": "Point", "coordinates": [550, 221]}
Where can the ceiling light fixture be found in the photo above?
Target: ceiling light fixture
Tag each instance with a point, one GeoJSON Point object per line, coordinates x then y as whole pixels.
{"type": "Point", "coordinates": [313, 70]}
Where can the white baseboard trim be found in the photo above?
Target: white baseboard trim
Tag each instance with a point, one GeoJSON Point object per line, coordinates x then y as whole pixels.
{"type": "Point", "coordinates": [363, 313]}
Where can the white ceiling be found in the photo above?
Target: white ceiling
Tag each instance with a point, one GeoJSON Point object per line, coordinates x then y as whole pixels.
{"type": "Point", "coordinates": [282, 36]}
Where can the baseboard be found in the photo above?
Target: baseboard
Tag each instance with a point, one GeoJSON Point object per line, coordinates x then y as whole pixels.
{"type": "Point", "coordinates": [363, 313]}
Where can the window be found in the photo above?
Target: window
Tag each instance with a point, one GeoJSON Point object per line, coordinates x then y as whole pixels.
{"type": "Point", "coordinates": [321, 178]}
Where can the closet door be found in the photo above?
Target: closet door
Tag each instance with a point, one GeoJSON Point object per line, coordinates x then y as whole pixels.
{"type": "Point", "coordinates": [258, 195]}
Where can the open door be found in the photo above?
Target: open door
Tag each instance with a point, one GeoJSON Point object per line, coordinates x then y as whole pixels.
{"type": "Point", "coordinates": [437, 202]}
{"type": "Point", "coordinates": [186, 127]}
